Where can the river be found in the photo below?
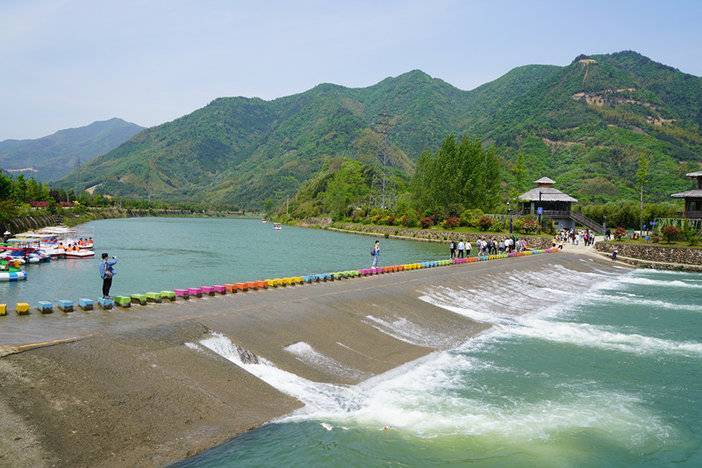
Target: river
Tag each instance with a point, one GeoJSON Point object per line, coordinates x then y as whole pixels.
{"type": "Point", "coordinates": [166, 253]}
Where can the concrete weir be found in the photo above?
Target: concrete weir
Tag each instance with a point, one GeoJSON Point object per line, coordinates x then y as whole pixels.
{"type": "Point", "coordinates": [134, 387]}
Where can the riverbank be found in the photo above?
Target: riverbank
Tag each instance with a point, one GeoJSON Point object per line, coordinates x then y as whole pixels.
{"type": "Point", "coordinates": [71, 218]}
{"type": "Point", "coordinates": [129, 391]}
{"type": "Point", "coordinates": [658, 256]}
{"type": "Point", "coordinates": [424, 235]}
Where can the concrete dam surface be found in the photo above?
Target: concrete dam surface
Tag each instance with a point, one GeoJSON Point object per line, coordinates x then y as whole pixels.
{"type": "Point", "coordinates": [155, 384]}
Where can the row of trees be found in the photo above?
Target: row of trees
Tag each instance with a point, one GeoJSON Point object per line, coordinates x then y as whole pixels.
{"type": "Point", "coordinates": [454, 184]}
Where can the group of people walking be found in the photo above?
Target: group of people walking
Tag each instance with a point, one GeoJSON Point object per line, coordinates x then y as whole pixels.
{"type": "Point", "coordinates": [576, 237]}
{"type": "Point", "coordinates": [460, 249]}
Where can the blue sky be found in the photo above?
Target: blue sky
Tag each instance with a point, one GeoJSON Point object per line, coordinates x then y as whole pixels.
{"type": "Point", "coordinates": [66, 63]}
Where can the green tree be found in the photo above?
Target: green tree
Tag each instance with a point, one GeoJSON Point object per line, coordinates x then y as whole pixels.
{"type": "Point", "coordinates": [19, 189]}
{"type": "Point", "coordinates": [520, 175]}
{"type": "Point", "coordinates": [5, 186]}
{"type": "Point", "coordinates": [460, 174]}
{"type": "Point", "coordinates": [642, 176]}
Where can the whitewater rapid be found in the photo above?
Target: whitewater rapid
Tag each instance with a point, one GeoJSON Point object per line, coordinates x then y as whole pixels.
{"type": "Point", "coordinates": [441, 395]}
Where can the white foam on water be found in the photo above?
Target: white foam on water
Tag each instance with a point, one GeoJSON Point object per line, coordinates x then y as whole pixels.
{"type": "Point", "coordinates": [315, 395]}
{"type": "Point", "coordinates": [310, 356]}
{"type": "Point", "coordinates": [407, 331]}
{"type": "Point", "coordinates": [635, 299]}
{"type": "Point", "coordinates": [654, 282]}
{"type": "Point", "coordinates": [442, 393]}
{"type": "Point", "coordinates": [583, 334]}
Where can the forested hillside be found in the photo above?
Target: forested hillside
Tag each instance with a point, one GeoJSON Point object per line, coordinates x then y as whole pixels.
{"type": "Point", "coordinates": [585, 125]}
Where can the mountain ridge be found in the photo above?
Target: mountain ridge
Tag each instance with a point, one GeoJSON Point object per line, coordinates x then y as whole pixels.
{"type": "Point", "coordinates": [52, 156]}
{"type": "Point", "coordinates": [242, 151]}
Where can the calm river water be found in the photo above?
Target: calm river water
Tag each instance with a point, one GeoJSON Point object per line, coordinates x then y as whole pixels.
{"type": "Point", "coordinates": [166, 253]}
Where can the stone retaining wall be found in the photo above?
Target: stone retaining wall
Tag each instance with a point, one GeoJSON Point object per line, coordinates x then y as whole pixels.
{"type": "Point", "coordinates": [654, 253]}
{"type": "Point", "coordinates": [431, 235]}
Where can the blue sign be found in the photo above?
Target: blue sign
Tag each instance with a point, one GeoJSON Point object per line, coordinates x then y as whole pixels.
{"type": "Point", "coordinates": [539, 211]}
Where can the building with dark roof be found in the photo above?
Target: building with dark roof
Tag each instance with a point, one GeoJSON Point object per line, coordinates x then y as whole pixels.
{"type": "Point", "coordinates": [693, 198]}
{"type": "Point", "coordinates": [554, 204]}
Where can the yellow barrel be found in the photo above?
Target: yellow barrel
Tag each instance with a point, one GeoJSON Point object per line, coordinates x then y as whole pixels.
{"type": "Point", "coordinates": [3, 309]}
{"type": "Point", "coordinates": [22, 308]}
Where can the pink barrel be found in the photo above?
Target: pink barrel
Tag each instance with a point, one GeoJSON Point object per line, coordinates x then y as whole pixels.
{"type": "Point", "coordinates": [366, 272]}
{"type": "Point", "coordinates": [197, 292]}
{"type": "Point", "coordinates": [219, 288]}
{"type": "Point", "coordinates": [181, 293]}
{"type": "Point", "coordinates": [207, 290]}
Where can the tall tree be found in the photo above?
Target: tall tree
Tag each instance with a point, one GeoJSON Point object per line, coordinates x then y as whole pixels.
{"type": "Point", "coordinates": [642, 176]}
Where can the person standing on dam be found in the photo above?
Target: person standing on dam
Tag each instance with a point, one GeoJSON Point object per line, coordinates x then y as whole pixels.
{"type": "Point", "coordinates": [375, 254]}
{"type": "Point", "coordinates": [107, 272]}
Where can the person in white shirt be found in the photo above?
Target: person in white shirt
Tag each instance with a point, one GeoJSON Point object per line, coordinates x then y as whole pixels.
{"type": "Point", "coordinates": [468, 248]}
{"type": "Point", "coordinates": [461, 249]}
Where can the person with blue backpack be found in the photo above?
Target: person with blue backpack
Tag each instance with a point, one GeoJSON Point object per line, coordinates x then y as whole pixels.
{"type": "Point", "coordinates": [375, 254]}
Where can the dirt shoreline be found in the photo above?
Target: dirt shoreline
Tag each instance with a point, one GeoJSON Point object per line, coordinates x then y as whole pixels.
{"type": "Point", "coordinates": [128, 391]}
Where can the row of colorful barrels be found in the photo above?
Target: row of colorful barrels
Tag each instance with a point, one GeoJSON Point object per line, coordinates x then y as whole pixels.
{"type": "Point", "coordinates": [23, 308]}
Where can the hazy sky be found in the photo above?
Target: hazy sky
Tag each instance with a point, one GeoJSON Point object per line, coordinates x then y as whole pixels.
{"type": "Point", "coordinates": [65, 63]}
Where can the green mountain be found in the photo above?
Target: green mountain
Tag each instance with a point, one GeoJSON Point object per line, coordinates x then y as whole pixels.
{"type": "Point", "coordinates": [584, 125]}
{"type": "Point", "coordinates": [53, 156]}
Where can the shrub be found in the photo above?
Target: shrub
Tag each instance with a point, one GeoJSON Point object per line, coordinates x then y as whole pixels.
{"type": "Point", "coordinates": [670, 233]}
{"type": "Point", "coordinates": [528, 225]}
{"type": "Point", "coordinates": [485, 223]}
{"type": "Point", "coordinates": [471, 217]}
{"type": "Point", "coordinates": [388, 220]}
{"type": "Point", "coordinates": [692, 236]}
{"type": "Point", "coordinates": [451, 222]}
{"type": "Point", "coordinates": [409, 220]}
{"type": "Point", "coordinates": [426, 222]}
{"type": "Point", "coordinates": [619, 233]}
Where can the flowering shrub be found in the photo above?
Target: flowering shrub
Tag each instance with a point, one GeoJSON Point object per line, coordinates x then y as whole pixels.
{"type": "Point", "coordinates": [670, 233]}
{"type": "Point", "coordinates": [619, 233]}
{"type": "Point", "coordinates": [426, 222]}
{"type": "Point", "coordinates": [485, 223]}
{"type": "Point", "coordinates": [529, 226]}
{"type": "Point", "coordinates": [452, 222]}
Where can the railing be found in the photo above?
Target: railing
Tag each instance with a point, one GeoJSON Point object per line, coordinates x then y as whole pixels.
{"type": "Point", "coordinates": [693, 214]}
{"type": "Point", "coordinates": [548, 213]}
{"type": "Point", "coordinates": [587, 222]}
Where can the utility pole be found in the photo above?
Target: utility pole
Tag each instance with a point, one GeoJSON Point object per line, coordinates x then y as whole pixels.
{"type": "Point", "coordinates": [382, 128]}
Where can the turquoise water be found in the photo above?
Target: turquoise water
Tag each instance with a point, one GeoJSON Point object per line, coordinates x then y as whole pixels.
{"type": "Point", "coordinates": [167, 253]}
{"type": "Point", "coordinates": [605, 369]}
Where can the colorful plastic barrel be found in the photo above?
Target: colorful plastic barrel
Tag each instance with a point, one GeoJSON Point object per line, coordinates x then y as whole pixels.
{"type": "Point", "coordinates": [45, 307]}
{"type": "Point", "coordinates": [219, 289]}
{"type": "Point", "coordinates": [86, 304]}
{"type": "Point", "coordinates": [167, 296]}
{"type": "Point", "coordinates": [22, 308]}
{"type": "Point", "coordinates": [65, 305]}
{"type": "Point", "coordinates": [207, 290]}
{"type": "Point", "coordinates": [182, 293]}
{"type": "Point", "coordinates": [105, 303]}
{"type": "Point", "coordinates": [194, 292]}
{"type": "Point", "coordinates": [3, 309]}
{"type": "Point", "coordinates": [123, 301]}
{"type": "Point", "coordinates": [139, 299]}
{"type": "Point", "coordinates": [153, 297]}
